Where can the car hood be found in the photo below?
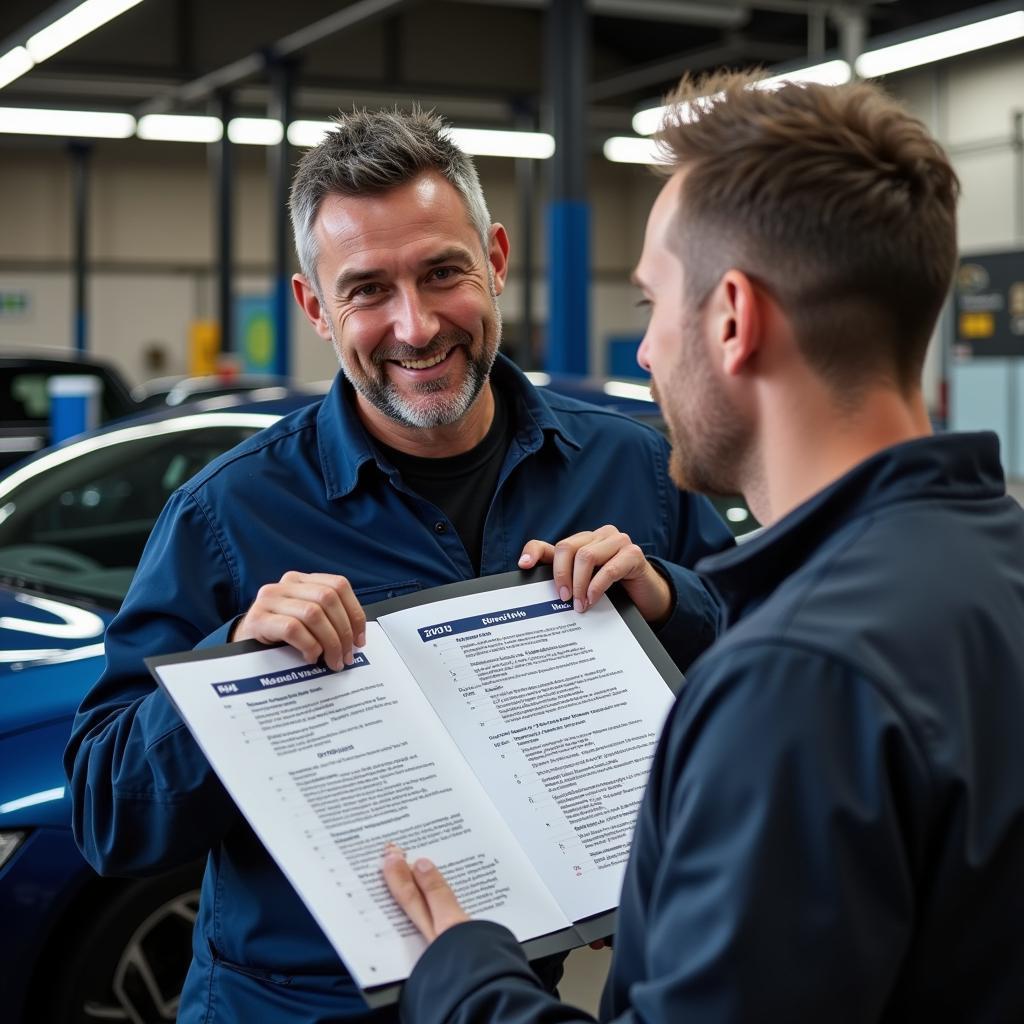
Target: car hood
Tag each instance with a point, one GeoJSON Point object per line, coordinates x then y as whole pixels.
{"type": "Point", "coordinates": [51, 652]}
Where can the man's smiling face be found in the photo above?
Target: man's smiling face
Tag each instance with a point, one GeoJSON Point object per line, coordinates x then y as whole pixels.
{"type": "Point", "coordinates": [409, 299]}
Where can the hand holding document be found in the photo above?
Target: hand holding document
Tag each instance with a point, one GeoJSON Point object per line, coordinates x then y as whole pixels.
{"type": "Point", "coordinates": [496, 732]}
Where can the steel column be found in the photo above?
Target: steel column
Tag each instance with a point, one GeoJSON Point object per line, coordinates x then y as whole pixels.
{"type": "Point", "coordinates": [568, 333]}
{"type": "Point", "coordinates": [222, 164]}
{"type": "Point", "coordinates": [282, 80]}
{"type": "Point", "coordinates": [80, 155]}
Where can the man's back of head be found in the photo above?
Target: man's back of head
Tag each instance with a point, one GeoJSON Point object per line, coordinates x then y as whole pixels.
{"type": "Point", "coordinates": [834, 199]}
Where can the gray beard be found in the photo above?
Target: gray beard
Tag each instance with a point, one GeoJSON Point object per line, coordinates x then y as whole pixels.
{"type": "Point", "coordinates": [441, 412]}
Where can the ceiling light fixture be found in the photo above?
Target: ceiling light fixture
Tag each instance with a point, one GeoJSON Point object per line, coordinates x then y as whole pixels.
{"type": "Point", "coordinates": [474, 141]}
{"type": "Point", "coordinates": [79, 22]}
{"type": "Point", "coordinates": [180, 128]}
{"type": "Point", "coordinates": [306, 134]}
{"type": "Point", "coordinates": [255, 131]}
{"type": "Point", "coordinates": [483, 142]}
{"type": "Point", "coordinates": [941, 45]}
{"type": "Point", "coordinates": [628, 149]}
{"type": "Point", "coordinates": [77, 124]}
{"type": "Point", "coordinates": [832, 72]}
{"type": "Point", "coordinates": [14, 64]}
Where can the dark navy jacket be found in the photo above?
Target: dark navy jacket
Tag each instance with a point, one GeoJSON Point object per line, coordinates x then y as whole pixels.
{"type": "Point", "coordinates": [834, 824]}
{"type": "Point", "coordinates": [311, 493]}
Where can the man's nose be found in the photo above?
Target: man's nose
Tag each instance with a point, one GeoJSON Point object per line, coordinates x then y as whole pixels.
{"type": "Point", "coordinates": [643, 354]}
{"type": "Point", "coordinates": [415, 323]}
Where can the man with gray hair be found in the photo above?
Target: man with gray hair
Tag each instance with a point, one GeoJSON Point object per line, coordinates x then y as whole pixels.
{"type": "Point", "coordinates": [431, 460]}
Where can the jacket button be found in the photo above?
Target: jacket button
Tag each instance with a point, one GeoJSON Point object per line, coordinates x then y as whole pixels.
{"type": "Point", "coordinates": [440, 526]}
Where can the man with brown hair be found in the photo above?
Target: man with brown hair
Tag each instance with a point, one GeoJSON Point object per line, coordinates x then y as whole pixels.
{"type": "Point", "coordinates": [833, 828]}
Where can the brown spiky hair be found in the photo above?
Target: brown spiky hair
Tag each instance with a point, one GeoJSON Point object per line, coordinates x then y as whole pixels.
{"type": "Point", "coordinates": [833, 198]}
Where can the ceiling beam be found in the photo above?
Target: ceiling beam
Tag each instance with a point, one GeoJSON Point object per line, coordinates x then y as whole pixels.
{"type": "Point", "coordinates": [650, 75]}
{"type": "Point", "coordinates": [686, 12]}
{"type": "Point", "coordinates": [359, 13]}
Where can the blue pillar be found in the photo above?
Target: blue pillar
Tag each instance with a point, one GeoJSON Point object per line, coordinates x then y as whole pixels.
{"type": "Point", "coordinates": [568, 333]}
{"type": "Point", "coordinates": [282, 75]}
{"type": "Point", "coordinates": [568, 286]}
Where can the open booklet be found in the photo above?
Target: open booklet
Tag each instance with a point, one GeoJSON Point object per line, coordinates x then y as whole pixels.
{"type": "Point", "coordinates": [485, 725]}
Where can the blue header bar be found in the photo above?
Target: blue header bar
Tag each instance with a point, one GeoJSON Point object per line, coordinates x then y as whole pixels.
{"type": "Point", "coordinates": [499, 618]}
{"type": "Point", "coordinates": [305, 674]}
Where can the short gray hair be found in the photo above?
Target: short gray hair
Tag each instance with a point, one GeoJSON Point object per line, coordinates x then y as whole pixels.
{"type": "Point", "coordinates": [373, 151]}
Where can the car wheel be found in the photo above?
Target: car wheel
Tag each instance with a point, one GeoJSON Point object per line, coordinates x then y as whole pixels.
{"type": "Point", "coordinates": [128, 961]}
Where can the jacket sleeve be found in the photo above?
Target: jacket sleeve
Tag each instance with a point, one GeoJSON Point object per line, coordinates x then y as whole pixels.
{"type": "Point", "coordinates": [772, 870]}
{"type": "Point", "coordinates": [144, 797]}
{"type": "Point", "coordinates": [477, 972]}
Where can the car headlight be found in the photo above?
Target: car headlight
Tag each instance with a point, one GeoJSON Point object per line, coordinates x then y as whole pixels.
{"type": "Point", "coordinates": [9, 843]}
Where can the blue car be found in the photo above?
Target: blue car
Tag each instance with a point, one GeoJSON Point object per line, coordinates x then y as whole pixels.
{"type": "Point", "coordinates": [73, 521]}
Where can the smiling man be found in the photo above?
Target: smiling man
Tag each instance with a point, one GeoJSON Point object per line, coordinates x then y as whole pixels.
{"type": "Point", "coordinates": [431, 460]}
{"type": "Point", "coordinates": [833, 827]}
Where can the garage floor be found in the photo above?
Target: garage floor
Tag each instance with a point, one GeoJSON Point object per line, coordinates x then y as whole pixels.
{"type": "Point", "coordinates": [585, 971]}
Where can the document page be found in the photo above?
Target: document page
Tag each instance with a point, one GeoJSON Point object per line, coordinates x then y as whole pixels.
{"type": "Point", "coordinates": [557, 713]}
{"type": "Point", "coordinates": [329, 766]}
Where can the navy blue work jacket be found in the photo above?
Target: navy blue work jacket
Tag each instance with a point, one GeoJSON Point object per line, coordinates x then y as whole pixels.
{"type": "Point", "coordinates": [834, 825]}
{"type": "Point", "coordinates": [311, 493]}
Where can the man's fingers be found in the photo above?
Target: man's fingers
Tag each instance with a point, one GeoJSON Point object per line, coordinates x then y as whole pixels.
{"type": "Point", "coordinates": [622, 565]}
{"type": "Point", "coordinates": [321, 606]}
{"type": "Point", "coordinates": [445, 909]}
{"type": "Point", "coordinates": [324, 617]}
{"type": "Point", "coordinates": [564, 560]}
{"type": "Point", "coordinates": [349, 602]}
{"type": "Point", "coordinates": [402, 886]}
{"type": "Point", "coordinates": [536, 552]}
{"type": "Point", "coordinates": [589, 559]}
{"type": "Point", "coordinates": [273, 628]}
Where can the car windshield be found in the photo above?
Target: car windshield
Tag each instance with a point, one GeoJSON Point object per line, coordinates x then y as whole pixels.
{"type": "Point", "coordinates": [75, 522]}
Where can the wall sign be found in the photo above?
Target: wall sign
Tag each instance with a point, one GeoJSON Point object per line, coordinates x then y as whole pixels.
{"type": "Point", "coordinates": [988, 294]}
{"type": "Point", "coordinates": [14, 304]}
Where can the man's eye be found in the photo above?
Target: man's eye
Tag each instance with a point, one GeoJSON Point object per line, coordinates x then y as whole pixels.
{"type": "Point", "coordinates": [644, 304]}
{"type": "Point", "coordinates": [443, 273]}
{"type": "Point", "coordinates": [366, 291]}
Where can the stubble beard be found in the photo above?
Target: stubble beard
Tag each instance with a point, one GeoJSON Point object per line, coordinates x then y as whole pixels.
{"type": "Point", "coordinates": [710, 442]}
{"type": "Point", "coordinates": [434, 408]}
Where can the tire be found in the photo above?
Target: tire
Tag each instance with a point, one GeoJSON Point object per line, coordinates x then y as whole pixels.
{"type": "Point", "coordinates": [126, 957]}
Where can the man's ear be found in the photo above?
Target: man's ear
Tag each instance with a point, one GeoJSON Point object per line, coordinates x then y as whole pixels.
{"type": "Point", "coordinates": [309, 302]}
{"type": "Point", "coordinates": [739, 321]}
{"type": "Point", "coordinates": [497, 254]}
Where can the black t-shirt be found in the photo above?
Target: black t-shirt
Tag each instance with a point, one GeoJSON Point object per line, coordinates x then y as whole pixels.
{"type": "Point", "coordinates": [461, 486]}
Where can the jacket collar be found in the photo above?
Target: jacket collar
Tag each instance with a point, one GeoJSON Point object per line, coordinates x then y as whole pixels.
{"type": "Point", "coordinates": [345, 447]}
{"type": "Point", "coordinates": [943, 466]}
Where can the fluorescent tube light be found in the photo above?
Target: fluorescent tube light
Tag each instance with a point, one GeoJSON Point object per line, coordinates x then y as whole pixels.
{"type": "Point", "coordinates": [832, 72]}
{"type": "Point", "coordinates": [941, 45]}
{"type": "Point", "coordinates": [85, 18]}
{"type": "Point", "coordinates": [625, 149]}
{"type": "Point", "coordinates": [180, 128]}
{"type": "Point", "coordinates": [309, 133]}
{"type": "Point", "coordinates": [482, 142]}
{"type": "Point", "coordinates": [14, 64]}
{"type": "Point", "coordinates": [626, 389]}
{"type": "Point", "coordinates": [647, 122]}
{"type": "Point", "coordinates": [80, 124]}
{"type": "Point", "coordinates": [255, 131]}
